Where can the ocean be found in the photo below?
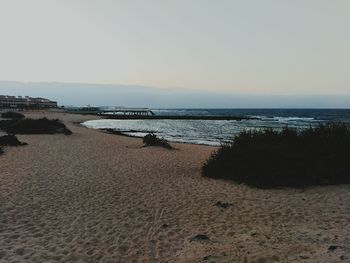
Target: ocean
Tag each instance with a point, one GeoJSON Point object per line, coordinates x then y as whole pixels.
{"type": "Point", "coordinates": [216, 132]}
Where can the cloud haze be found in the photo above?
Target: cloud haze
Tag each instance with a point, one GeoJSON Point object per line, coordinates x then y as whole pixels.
{"type": "Point", "coordinates": [141, 96]}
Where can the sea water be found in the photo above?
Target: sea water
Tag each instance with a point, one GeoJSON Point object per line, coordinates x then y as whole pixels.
{"type": "Point", "coordinates": [216, 132]}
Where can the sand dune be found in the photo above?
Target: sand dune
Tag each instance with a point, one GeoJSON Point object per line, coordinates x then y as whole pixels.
{"type": "Point", "coordinates": [97, 197]}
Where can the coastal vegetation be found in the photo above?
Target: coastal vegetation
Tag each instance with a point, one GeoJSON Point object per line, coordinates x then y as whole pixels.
{"type": "Point", "coordinates": [152, 140]}
{"type": "Point", "coordinates": [12, 115]}
{"type": "Point", "coordinates": [16, 123]}
{"type": "Point", "coordinates": [287, 158]}
{"type": "Point", "coordinates": [9, 140]}
{"type": "Point", "coordinates": [34, 126]}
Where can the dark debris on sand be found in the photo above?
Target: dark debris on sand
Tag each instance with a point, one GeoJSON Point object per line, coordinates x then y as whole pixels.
{"type": "Point", "coordinates": [223, 205]}
{"type": "Point", "coordinates": [200, 237]}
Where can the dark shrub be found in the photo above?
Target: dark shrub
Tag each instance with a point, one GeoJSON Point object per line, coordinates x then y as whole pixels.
{"type": "Point", "coordinates": [152, 140]}
{"type": "Point", "coordinates": [10, 140]}
{"type": "Point", "coordinates": [12, 115]}
{"type": "Point", "coordinates": [34, 126]}
{"type": "Point", "coordinates": [268, 158]}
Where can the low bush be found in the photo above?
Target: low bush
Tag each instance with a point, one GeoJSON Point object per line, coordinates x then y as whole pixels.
{"type": "Point", "coordinates": [152, 140]}
{"type": "Point", "coordinates": [12, 115]}
{"type": "Point", "coordinates": [10, 140]}
{"type": "Point", "coordinates": [287, 158]}
{"type": "Point", "coordinates": [34, 126]}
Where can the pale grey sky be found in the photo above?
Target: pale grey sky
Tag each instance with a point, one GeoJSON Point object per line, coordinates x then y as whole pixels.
{"type": "Point", "coordinates": [279, 47]}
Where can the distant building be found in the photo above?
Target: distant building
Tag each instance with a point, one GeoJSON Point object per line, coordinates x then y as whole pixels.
{"type": "Point", "coordinates": [13, 102]}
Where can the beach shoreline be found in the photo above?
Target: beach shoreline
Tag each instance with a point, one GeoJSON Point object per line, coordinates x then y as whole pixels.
{"type": "Point", "coordinates": [97, 197]}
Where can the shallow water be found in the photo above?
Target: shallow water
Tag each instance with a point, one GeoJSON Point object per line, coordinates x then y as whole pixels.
{"type": "Point", "coordinates": [215, 132]}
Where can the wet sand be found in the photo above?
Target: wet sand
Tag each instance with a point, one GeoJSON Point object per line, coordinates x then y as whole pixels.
{"type": "Point", "coordinates": [98, 197]}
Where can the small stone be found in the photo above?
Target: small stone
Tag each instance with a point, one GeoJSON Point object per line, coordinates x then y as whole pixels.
{"type": "Point", "coordinates": [332, 248]}
{"type": "Point", "coordinates": [262, 260]}
{"type": "Point", "coordinates": [254, 234]}
{"type": "Point", "coordinates": [223, 205]}
{"type": "Point", "coordinates": [275, 258]}
{"type": "Point", "coordinates": [20, 251]}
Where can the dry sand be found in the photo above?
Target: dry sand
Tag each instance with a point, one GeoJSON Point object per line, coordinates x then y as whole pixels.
{"type": "Point", "coordinates": [97, 197]}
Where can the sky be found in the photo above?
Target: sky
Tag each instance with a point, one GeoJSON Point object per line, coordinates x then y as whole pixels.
{"type": "Point", "coordinates": [273, 48]}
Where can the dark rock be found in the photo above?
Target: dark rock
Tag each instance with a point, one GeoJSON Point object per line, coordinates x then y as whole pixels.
{"type": "Point", "coordinates": [112, 131]}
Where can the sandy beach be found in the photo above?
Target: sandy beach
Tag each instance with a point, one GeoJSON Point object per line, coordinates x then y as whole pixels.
{"type": "Point", "coordinates": [98, 197]}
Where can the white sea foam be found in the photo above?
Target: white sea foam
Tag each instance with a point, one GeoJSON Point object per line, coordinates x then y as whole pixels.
{"type": "Point", "coordinates": [209, 132]}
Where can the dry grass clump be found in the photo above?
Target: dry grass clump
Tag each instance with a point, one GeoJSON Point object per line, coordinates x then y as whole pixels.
{"type": "Point", "coordinates": [152, 140]}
